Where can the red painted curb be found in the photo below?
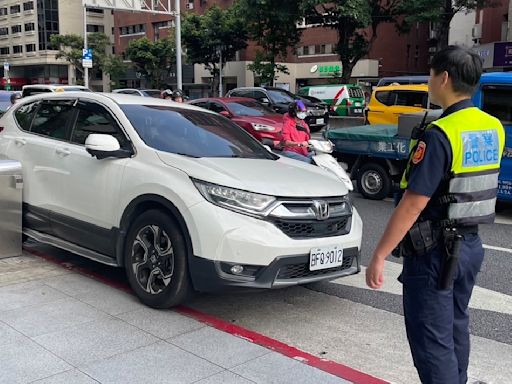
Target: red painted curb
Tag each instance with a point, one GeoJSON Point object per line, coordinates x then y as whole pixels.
{"type": "Point", "coordinates": [325, 365]}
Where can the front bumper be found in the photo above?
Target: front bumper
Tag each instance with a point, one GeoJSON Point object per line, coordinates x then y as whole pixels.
{"type": "Point", "coordinates": [286, 271]}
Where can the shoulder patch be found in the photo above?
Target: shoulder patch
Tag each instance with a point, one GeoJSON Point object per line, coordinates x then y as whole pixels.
{"type": "Point", "coordinates": [420, 152]}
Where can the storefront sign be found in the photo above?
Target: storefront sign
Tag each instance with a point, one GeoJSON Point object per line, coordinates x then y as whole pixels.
{"type": "Point", "coordinates": [326, 69]}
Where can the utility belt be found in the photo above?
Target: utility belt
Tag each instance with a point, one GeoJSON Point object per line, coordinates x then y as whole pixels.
{"type": "Point", "coordinates": [424, 236]}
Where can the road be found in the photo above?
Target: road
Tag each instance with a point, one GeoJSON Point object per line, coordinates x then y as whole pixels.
{"type": "Point", "coordinates": [346, 322]}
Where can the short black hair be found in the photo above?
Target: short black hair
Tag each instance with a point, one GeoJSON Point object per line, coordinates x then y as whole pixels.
{"type": "Point", "coordinates": [464, 67]}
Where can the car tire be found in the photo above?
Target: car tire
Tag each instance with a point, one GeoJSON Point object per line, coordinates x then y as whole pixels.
{"type": "Point", "coordinates": [155, 260]}
{"type": "Point", "coordinates": [373, 182]}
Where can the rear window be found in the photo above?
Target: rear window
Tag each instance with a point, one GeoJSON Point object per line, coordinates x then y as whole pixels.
{"type": "Point", "coordinates": [192, 133]}
{"type": "Point", "coordinates": [412, 99]}
{"type": "Point", "coordinates": [497, 101]}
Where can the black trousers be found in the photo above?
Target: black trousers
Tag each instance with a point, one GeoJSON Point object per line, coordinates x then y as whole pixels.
{"type": "Point", "coordinates": [437, 321]}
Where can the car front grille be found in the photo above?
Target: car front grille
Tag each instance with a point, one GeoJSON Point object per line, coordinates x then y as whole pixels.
{"type": "Point", "coordinates": [297, 271]}
{"type": "Point", "coordinates": [302, 229]}
{"type": "Point", "coordinates": [316, 111]}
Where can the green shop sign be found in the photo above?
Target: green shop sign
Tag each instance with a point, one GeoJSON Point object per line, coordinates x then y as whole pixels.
{"type": "Point", "coordinates": [327, 70]}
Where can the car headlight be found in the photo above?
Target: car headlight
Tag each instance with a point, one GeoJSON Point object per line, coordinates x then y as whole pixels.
{"type": "Point", "coordinates": [263, 127]}
{"type": "Point", "coordinates": [235, 199]}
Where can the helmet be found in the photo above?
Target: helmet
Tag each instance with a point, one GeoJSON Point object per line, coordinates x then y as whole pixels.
{"type": "Point", "coordinates": [296, 106]}
{"type": "Point", "coordinates": [166, 93]}
{"type": "Point", "coordinates": [177, 93]}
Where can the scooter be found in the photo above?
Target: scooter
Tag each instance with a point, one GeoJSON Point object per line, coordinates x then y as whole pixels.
{"type": "Point", "coordinates": [322, 158]}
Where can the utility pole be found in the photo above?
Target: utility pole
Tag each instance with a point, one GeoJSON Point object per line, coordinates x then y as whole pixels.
{"type": "Point", "coordinates": [86, 69]}
{"type": "Point", "coordinates": [179, 75]}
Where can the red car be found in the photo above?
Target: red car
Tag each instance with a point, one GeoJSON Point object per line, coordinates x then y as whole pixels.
{"type": "Point", "coordinates": [258, 120]}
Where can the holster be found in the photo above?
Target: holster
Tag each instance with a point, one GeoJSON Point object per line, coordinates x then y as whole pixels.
{"type": "Point", "coordinates": [452, 242]}
{"type": "Point", "coordinates": [419, 240]}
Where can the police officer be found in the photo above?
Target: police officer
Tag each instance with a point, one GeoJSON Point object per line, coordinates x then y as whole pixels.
{"type": "Point", "coordinates": [449, 187]}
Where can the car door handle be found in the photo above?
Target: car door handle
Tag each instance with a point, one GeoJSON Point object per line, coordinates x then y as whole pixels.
{"type": "Point", "coordinates": [20, 142]}
{"type": "Point", "coordinates": [63, 151]}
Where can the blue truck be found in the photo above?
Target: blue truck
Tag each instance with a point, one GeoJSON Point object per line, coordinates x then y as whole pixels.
{"type": "Point", "coordinates": [375, 155]}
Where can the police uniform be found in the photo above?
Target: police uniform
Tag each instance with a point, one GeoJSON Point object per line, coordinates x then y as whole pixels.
{"type": "Point", "coordinates": [456, 164]}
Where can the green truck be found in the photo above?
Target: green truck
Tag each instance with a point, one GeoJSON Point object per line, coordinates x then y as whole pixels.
{"type": "Point", "coordinates": [344, 99]}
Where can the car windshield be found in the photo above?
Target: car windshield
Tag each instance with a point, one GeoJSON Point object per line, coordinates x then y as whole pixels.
{"type": "Point", "coordinates": [280, 96]}
{"type": "Point", "coordinates": [248, 108]}
{"type": "Point", "coordinates": [192, 133]}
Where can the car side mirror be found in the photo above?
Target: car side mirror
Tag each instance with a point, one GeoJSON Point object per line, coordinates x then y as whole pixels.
{"type": "Point", "coordinates": [265, 101]}
{"type": "Point", "coordinates": [226, 114]}
{"type": "Point", "coordinates": [103, 146]}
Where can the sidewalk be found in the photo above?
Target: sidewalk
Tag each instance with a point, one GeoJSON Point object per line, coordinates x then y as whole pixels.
{"type": "Point", "coordinates": [60, 326]}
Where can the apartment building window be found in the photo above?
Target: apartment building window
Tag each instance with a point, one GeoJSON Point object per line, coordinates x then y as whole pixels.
{"type": "Point", "coordinates": [95, 10]}
{"type": "Point", "coordinates": [30, 47]}
{"type": "Point", "coordinates": [4, 31]}
{"type": "Point", "coordinates": [93, 28]}
{"type": "Point", "coordinates": [30, 27]}
{"type": "Point", "coordinates": [132, 29]}
{"type": "Point", "coordinates": [320, 49]}
{"type": "Point", "coordinates": [4, 50]}
{"type": "Point", "coordinates": [28, 5]}
{"type": "Point", "coordinates": [3, 12]}
{"type": "Point", "coordinates": [15, 9]}
{"type": "Point", "coordinates": [17, 49]}
{"type": "Point", "coordinates": [48, 21]}
{"type": "Point", "coordinates": [16, 29]}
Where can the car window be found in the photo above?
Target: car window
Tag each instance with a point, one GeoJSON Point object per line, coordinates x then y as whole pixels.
{"type": "Point", "coordinates": [153, 93]}
{"type": "Point", "coordinates": [30, 92]}
{"type": "Point", "coordinates": [240, 93]}
{"type": "Point", "coordinates": [497, 102]}
{"type": "Point", "coordinates": [24, 115]}
{"type": "Point", "coordinates": [259, 95]}
{"type": "Point", "coordinates": [52, 119]}
{"type": "Point", "coordinates": [216, 107]}
{"type": "Point", "coordinates": [383, 97]}
{"type": "Point", "coordinates": [280, 96]}
{"type": "Point", "coordinates": [411, 99]}
{"type": "Point", "coordinates": [93, 118]}
{"type": "Point", "coordinates": [201, 104]}
{"type": "Point", "coordinates": [192, 133]}
{"type": "Point", "coordinates": [248, 108]}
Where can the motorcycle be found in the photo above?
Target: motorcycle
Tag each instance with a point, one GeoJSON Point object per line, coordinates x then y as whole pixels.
{"type": "Point", "coordinates": [322, 158]}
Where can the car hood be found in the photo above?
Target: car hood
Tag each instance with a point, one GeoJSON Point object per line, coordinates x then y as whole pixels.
{"type": "Point", "coordinates": [282, 178]}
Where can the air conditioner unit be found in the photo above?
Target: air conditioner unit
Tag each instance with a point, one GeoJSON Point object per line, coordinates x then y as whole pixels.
{"type": "Point", "coordinates": [301, 24]}
{"type": "Point", "coordinates": [190, 5]}
{"type": "Point", "coordinates": [476, 32]}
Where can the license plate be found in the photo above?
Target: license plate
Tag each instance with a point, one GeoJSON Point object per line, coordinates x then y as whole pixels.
{"type": "Point", "coordinates": [358, 111]}
{"type": "Point", "coordinates": [319, 121]}
{"type": "Point", "coordinates": [325, 257]}
{"type": "Point", "coordinates": [357, 104]}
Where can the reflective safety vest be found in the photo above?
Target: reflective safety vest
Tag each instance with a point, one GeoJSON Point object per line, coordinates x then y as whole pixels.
{"type": "Point", "coordinates": [477, 140]}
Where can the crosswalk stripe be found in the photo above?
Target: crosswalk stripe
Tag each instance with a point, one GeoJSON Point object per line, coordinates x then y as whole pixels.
{"type": "Point", "coordinates": [482, 298]}
{"type": "Point", "coordinates": [501, 249]}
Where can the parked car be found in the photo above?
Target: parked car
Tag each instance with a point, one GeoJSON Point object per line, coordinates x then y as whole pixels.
{"type": "Point", "coordinates": [258, 120]}
{"type": "Point", "coordinates": [388, 103]}
{"type": "Point", "coordinates": [343, 99]}
{"type": "Point", "coordinates": [279, 99]}
{"type": "Point", "coordinates": [179, 196]}
{"type": "Point", "coordinates": [402, 80]}
{"type": "Point", "coordinates": [157, 94]}
{"type": "Point", "coordinates": [34, 89]}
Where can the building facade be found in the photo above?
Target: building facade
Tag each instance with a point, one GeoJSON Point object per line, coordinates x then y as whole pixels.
{"type": "Point", "coordinates": [25, 31]}
{"type": "Point", "coordinates": [312, 62]}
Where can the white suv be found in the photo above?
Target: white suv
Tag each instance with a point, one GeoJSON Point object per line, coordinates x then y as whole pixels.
{"type": "Point", "coordinates": [181, 197]}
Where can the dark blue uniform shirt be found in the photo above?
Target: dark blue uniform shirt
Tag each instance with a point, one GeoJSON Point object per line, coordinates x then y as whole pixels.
{"type": "Point", "coordinates": [430, 176]}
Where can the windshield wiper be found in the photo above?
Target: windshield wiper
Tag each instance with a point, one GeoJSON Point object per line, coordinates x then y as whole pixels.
{"type": "Point", "coordinates": [187, 155]}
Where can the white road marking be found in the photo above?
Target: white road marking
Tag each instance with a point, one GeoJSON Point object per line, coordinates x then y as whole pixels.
{"type": "Point", "coordinates": [502, 219]}
{"type": "Point", "coordinates": [482, 298]}
{"type": "Point", "coordinates": [501, 249]}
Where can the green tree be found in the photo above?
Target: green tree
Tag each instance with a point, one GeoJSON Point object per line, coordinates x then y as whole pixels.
{"type": "Point", "coordinates": [438, 12]}
{"type": "Point", "coordinates": [356, 23]}
{"type": "Point", "coordinates": [153, 59]}
{"type": "Point", "coordinates": [273, 25]}
{"type": "Point", "coordinates": [116, 68]}
{"type": "Point", "coordinates": [207, 36]}
{"type": "Point", "coordinates": [70, 49]}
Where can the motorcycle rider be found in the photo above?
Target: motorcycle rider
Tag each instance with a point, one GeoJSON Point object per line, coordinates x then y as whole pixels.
{"type": "Point", "coordinates": [295, 133]}
{"type": "Point", "coordinates": [167, 94]}
{"type": "Point", "coordinates": [178, 96]}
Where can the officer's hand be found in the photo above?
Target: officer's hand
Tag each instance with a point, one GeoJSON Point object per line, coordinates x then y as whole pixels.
{"type": "Point", "coordinates": [374, 277]}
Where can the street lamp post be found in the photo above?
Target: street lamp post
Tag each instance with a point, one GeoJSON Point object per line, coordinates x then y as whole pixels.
{"type": "Point", "coordinates": [86, 69]}
{"type": "Point", "coordinates": [179, 78]}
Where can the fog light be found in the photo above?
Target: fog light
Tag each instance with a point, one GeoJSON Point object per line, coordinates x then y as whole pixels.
{"type": "Point", "coordinates": [237, 269]}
